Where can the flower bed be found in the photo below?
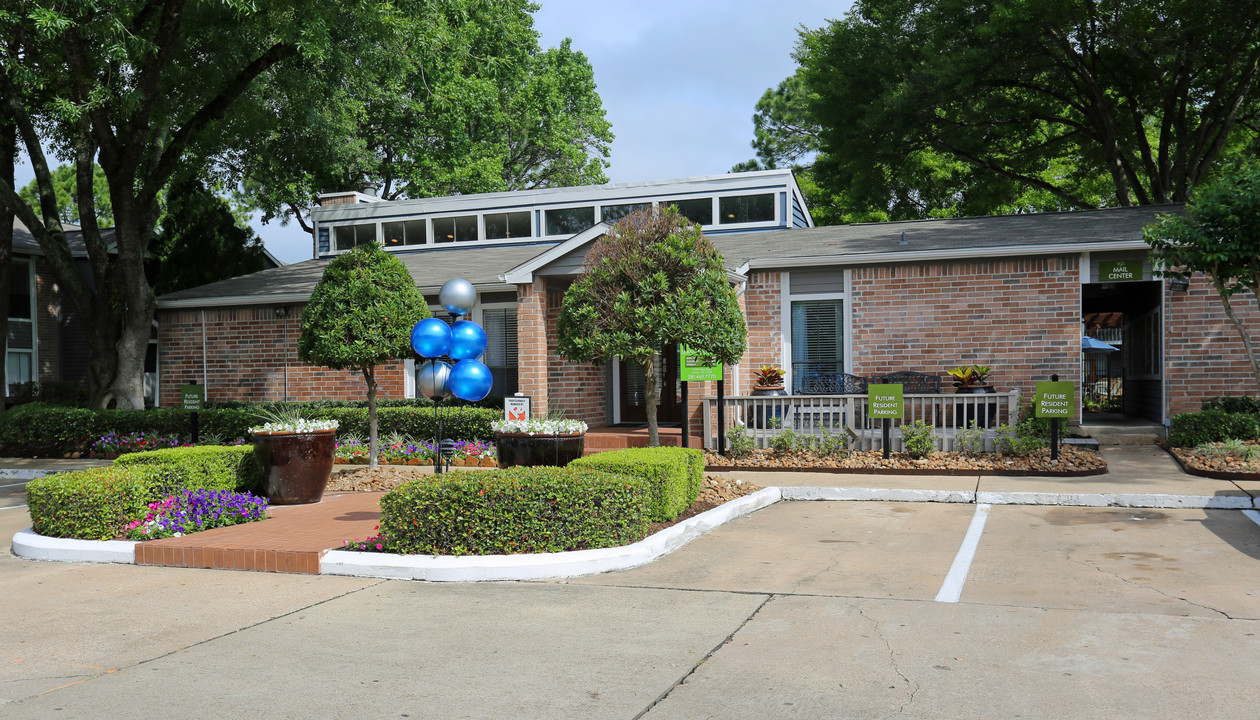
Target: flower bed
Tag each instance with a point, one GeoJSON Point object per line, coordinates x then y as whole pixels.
{"type": "Point", "coordinates": [1232, 460]}
{"type": "Point", "coordinates": [468, 453]}
{"type": "Point", "coordinates": [111, 444]}
{"type": "Point", "coordinates": [195, 510]}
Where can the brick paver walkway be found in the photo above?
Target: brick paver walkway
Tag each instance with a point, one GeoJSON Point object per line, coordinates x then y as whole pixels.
{"type": "Point", "coordinates": [292, 540]}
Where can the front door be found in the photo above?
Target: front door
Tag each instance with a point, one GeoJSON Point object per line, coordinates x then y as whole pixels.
{"type": "Point", "coordinates": [634, 390]}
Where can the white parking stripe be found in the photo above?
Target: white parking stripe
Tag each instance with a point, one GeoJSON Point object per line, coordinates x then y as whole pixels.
{"type": "Point", "coordinates": [1254, 515]}
{"type": "Point", "coordinates": [952, 588]}
{"type": "Point", "coordinates": [12, 507]}
{"type": "Point", "coordinates": [12, 485]}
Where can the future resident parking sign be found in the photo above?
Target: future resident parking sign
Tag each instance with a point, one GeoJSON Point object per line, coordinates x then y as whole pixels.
{"type": "Point", "coordinates": [886, 401]}
{"type": "Point", "coordinates": [1054, 400]}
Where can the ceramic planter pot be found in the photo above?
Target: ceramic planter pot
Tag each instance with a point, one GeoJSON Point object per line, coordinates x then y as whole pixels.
{"type": "Point", "coordinates": [296, 466]}
{"type": "Point", "coordinates": [770, 416]}
{"type": "Point", "coordinates": [523, 449]}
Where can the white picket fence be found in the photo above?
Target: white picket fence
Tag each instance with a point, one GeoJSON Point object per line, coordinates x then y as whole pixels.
{"type": "Point", "coordinates": [765, 417]}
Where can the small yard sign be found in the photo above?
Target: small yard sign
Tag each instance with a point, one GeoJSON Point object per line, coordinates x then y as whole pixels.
{"type": "Point", "coordinates": [1054, 400]}
{"type": "Point", "coordinates": [516, 408]}
{"type": "Point", "coordinates": [192, 397]}
{"type": "Point", "coordinates": [886, 401]}
{"type": "Point", "coordinates": [1119, 270]}
{"type": "Point", "coordinates": [693, 370]}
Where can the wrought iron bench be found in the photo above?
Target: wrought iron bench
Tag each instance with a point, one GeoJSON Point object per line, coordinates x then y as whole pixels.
{"type": "Point", "coordinates": [913, 383]}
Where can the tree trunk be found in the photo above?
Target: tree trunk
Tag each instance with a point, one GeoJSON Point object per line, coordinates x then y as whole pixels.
{"type": "Point", "coordinates": [1242, 331]}
{"type": "Point", "coordinates": [369, 375]}
{"type": "Point", "coordinates": [652, 397]}
{"type": "Point", "coordinates": [8, 150]}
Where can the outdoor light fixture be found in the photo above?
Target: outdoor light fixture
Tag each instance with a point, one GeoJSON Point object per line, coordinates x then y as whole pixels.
{"type": "Point", "coordinates": [1180, 284]}
{"type": "Point", "coordinates": [282, 311]}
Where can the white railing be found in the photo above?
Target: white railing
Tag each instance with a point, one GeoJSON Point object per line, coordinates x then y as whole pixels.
{"type": "Point", "coordinates": [766, 417]}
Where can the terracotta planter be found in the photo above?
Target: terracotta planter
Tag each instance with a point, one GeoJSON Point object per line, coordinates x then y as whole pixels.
{"type": "Point", "coordinates": [296, 466]}
{"type": "Point", "coordinates": [523, 449]}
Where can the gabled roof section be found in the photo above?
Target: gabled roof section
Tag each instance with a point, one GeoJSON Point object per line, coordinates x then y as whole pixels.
{"type": "Point", "coordinates": [524, 273]}
{"type": "Point", "coordinates": [24, 243]}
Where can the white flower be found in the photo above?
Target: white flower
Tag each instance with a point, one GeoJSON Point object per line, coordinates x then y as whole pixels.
{"type": "Point", "coordinates": [540, 427]}
{"type": "Point", "coordinates": [296, 426]}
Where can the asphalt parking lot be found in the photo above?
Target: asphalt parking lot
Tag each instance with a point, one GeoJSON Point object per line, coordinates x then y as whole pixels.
{"type": "Point", "coordinates": [800, 610]}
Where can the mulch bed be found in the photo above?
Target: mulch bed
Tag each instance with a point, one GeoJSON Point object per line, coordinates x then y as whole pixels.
{"type": "Point", "coordinates": [1217, 467]}
{"type": "Point", "coordinates": [1073, 462]}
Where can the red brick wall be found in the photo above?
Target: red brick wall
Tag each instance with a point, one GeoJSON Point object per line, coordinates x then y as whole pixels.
{"type": "Point", "coordinates": [251, 354]}
{"type": "Point", "coordinates": [579, 390]}
{"type": "Point", "coordinates": [1204, 356]}
{"type": "Point", "coordinates": [762, 303]}
{"type": "Point", "coordinates": [531, 344]}
{"type": "Point", "coordinates": [1022, 317]}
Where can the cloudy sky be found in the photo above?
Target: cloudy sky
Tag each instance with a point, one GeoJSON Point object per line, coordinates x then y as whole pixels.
{"type": "Point", "coordinates": [678, 78]}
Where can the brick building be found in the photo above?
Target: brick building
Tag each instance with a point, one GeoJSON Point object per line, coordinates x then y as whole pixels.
{"type": "Point", "coordinates": [1013, 292]}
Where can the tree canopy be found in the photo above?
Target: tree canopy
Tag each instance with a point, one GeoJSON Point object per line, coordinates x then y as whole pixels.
{"type": "Point", "coordinates": [360, 315]}
{"type": "Point", "coordinates": [464, 101]}
{"type": "Point", "coordinates": [201, 240]}
{"type": "Point", "coordinates": [651, 282]}
{"type": "Point", "coordinates": [951, 107]}
{"type": "Point", "coordinates": [1218, 235]}
{"type": "Point", "coordinates": [64, 182]}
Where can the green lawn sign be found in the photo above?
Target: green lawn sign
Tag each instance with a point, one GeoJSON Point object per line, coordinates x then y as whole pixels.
{"type": "Point", "coordinates": [886, 401]}
{"type": "Point", "coordinates": [192, 397]}
{"type": "Point", "coordinates": [1054, 400]}
{"type": "Point", "coordinates": [692, 370]}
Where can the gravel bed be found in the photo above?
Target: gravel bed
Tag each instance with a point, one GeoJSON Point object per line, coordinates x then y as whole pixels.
{"type": "Point", "coordinates": [1194, 460]}
{"type": "Point", "coordinates": [1071, 460]}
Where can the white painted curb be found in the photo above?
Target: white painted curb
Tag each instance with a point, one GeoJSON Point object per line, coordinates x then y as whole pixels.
{"type": "Point", "coordinates": [28, 544]}
{"type": "Point", "coordinates": [878, 494]}
{"type": "Point", "coordinates": [480, 568]}
{"type": "Point", "coordinates": [1216, 502]}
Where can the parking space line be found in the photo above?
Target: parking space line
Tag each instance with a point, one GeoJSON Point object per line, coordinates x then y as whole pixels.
{"type": "Point", "coordinates": [13, 484]}
{"type": "Point", "coordinates": [951, 589]}
{"type": "Point", "coordinates": [12, 507]}
{"type": "Point", "coordinates": [1254, 515]}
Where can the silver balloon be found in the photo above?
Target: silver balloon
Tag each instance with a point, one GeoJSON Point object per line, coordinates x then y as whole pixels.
{"type": "Point", "coordinates": [431, 379]}
{"type": "Point", "coordinates": [458, 296]}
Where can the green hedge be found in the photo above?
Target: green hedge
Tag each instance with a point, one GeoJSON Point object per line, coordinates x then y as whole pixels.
{"type": "Point", "coordinates": [209, 467]}
{"type": "Point", "coordinates": [94, 504]}
{"type": "Point", "coordinates": [675, 475]}
{"type": "Point", "coordinates": [518, 510]}
{"type": "Point", "coordinates": [40, 429]}
{"type": "Point", "coordinates": [1234, 404]}
{"type": "Point", "coordinates": [1193, 429]}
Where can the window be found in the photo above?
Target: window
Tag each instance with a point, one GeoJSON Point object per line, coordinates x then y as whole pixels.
{"type": "Point", "coordinates": [20, 290]}
{"type": "Point", "coordinates": [406, 232]}
{"type": "Point", "coordinates": [349, 236]}
{"type": "Point", "coordinates": [613, 213]}
{"type": "Point", "coordinates": [570, 221]}
{"type": "Point", "coordinates": [699, 210]}
{"type": "Point", "coordinates": [501, 226]}
{"type": "Point", "coordinates": [19, 366]}
{"type": "Point", "coordinates": [500, 327]}
{"type": "Point", "coordinates": [746, 209]}
{"type": "Point", "coordinates": [817, 340]}
{"type": "Point", "coordinates": [455, 229]}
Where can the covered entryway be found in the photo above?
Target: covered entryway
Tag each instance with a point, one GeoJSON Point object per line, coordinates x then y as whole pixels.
{"type": "Point", "coordinates": [1127, 383]}
{"type": "Point", "coordinates": [631, 392]}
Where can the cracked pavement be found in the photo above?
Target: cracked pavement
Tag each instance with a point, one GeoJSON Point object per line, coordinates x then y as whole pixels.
{"type": "Point", "coordinates": [801, 610]}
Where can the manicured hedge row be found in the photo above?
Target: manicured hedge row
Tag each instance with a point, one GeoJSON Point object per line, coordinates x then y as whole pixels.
{"type": "Point", "coordinates": [1234, 404]}
{"type": "Point", "coordinates": [1192, 429]}
{"type": "Point", "coordinates": [94, 504]}
{"type": "Point", "coordinates": [207, 467]}
{"type": "Point", "coordinates": [674, 475]}
{"type": "Point", "coordinates": [518, 510]}
{"type": "Point", "coordinates": [36, 428]}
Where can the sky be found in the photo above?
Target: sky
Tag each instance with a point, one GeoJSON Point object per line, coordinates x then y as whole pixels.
{"type": "Point", "coordinates": [679, 81]}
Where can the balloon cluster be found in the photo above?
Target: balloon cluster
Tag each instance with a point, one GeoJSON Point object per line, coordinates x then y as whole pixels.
{"type": "Point", "coordinates": [464, 342]}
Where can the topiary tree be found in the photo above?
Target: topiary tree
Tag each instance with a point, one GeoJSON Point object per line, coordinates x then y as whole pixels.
{"type": "Point", "coordinates": [360, 315]}
{"type": "Point", "coordinates": [1219, 236]}
{"type": "Point", "coordinates": [652, 281]}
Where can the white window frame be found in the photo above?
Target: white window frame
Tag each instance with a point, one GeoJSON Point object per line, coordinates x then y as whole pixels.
{"type": "Point", "coordinates": [542, 216]}
{"type": "Point", "coordinates": [785, 320]}
{"type": "Point", "coordinates": [774, 221]}
{"type": "Point", "coordinates": [33, 350]}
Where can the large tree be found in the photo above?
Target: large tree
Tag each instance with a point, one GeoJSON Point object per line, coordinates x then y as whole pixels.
{"type": "Point", "coordinates": [201, 240]}
{"type": "Point", "coordinates": [963, 105]}
{"type": "Point", "coordinates": [469, 104]}
{"type": "Point", "coordinates": [65, 187]}
{"type": "Point", "coordinates": [360, 315]}
{"type": "Point", "coordinates": [651, 282]}
{"type": "Point", "coordinates": [1218, 235]}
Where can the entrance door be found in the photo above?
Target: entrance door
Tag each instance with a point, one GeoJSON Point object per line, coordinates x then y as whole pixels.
{"type": "Point", "coordinates": [1128, 381]}
{"type": "Point", "coordinates": [634, 390]}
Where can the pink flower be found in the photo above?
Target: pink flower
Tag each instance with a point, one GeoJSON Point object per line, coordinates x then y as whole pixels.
{"type": "Point", "coordinates": [379, 546]}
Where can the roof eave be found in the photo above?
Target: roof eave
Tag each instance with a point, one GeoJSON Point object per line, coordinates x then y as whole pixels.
{"type": "Point", "coordinates": [946, 254]}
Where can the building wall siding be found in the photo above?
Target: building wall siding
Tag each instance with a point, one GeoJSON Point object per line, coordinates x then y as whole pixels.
{"type": "Point", "coordinates": [1204, 356]}
{"type": "Point", "coordinates": [48, 315]}
{"type": "Point", "coordinates": [250, 354]}
{"type": "Point", "coordinates": [762, 304]}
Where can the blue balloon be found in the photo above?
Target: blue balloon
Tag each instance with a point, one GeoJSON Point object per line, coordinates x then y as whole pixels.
{"type": "Point", "coordinates": [468, 340]}
{"type": "Point", "coordinates": [431, 338]}
{"type": "Point", "coordinates": [470, 380]}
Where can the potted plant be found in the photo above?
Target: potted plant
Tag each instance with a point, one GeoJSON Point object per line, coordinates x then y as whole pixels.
{"type": "Point", "coordinates": [539, 441]}
{"type": "Point", "coordinates": [767, 381]}
{"type": "Point", "coordinates": [973, 380]}
{"type": "Point", "coordinates": [296, 455]}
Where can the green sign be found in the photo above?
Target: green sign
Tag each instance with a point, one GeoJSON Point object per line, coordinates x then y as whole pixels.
{"type": "Point", "coordinates": [1117, 270]}
{"type": "Point", "coordinates": [693, 371]}
{"type": "Point", "coordinates": [192, 397]}
{"type": "Point", "coordinates": [1054, 400]}
{"type": "Point", "coordinates": [885, 401]}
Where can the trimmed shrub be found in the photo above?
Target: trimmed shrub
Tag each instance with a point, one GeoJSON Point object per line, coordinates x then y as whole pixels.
{"type": "Point", "coordinates": [919, 439]}
{"type": "Point", "coordinates": [1234, 404]}
{"type": "Point", "coordinates": [518, 510]}
{"type": "Point", "coordinates": [675, 475]}
{"type": "Point", "coordinates": [94, 504]}
{"type": "Point", "coordinates": [208, 467]}
{"type": "Point", "coordinates": [1193, 429]}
